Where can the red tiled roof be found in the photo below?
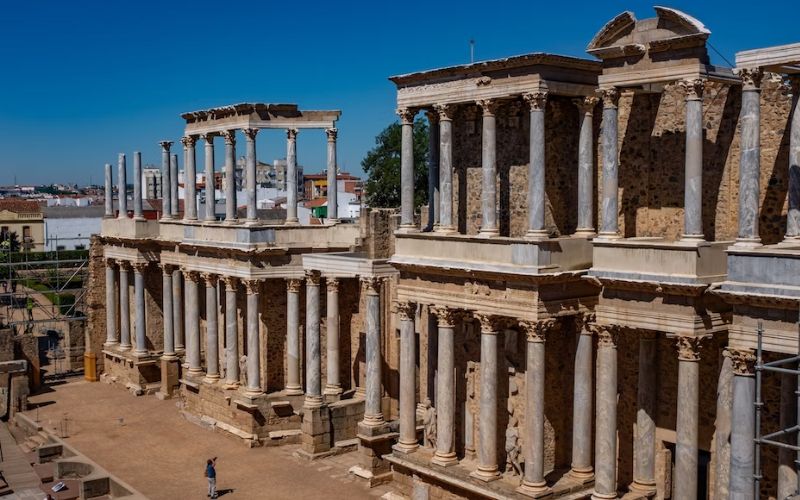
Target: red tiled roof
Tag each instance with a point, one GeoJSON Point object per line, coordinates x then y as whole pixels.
{"type": "Point", "coordinates": [316, 202]}
{"type": "Point", "coordinates": [20, 206]}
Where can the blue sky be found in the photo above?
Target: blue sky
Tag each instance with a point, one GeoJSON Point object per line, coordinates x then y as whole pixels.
{"type": "Point", "coordinates": [84, 80]}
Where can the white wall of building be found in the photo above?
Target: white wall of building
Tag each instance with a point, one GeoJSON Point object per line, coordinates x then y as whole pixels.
{"type": "Point", "coordinates": [70, 232]}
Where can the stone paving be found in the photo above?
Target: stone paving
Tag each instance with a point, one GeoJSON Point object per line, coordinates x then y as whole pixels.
{"type": "Point", "coordinates": [147, 443]}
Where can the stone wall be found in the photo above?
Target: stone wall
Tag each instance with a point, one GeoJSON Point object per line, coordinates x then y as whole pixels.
{"type": "Point", "coordinates": [96, 300]}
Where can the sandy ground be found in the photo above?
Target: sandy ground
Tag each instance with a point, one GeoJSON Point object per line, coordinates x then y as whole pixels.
{"type": "Point", "coordinates": [148, 444]}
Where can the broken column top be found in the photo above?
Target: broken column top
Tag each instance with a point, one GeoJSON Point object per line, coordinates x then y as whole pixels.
{"type": "Point", "coordinates": [257, 115]}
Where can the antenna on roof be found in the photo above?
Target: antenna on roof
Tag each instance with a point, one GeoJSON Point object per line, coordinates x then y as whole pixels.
{"type": "Point", "coordinates": [471, 50]}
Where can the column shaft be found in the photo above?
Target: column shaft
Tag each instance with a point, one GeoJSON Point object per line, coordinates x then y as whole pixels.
{"type": "Point", "coordinates": [291, 176]}
{"type": "Point", "coordinates": [122, 186]}
{"type": "Point", "coordinates": [582, 404]}
{"type": "Point", "coordinates": [333, 200]}
{"type": "Point", "coordinates": [686, 423]}
{"type": "Point", "coordinates": [487, 431]}
{"type": "Point", "coordinates": [141, 323]}
{"type": "Point", "coordinates": [313, 360]}
{"type": "Point", "coordinates": [231, 333]}
{"type": "Point", "coordinates": [333, 385]}
{"type": "Point", "coordinates": [536, 166]}
{"type": "Point", "coordinates": [137, 186]}
{"type": "Point", "coordinates": [407, 441]}
{"type": "Point", "coordinates": [605, 449]}
{"type": "Point", "coordinates": [742, 485]}
{"type": "Point", "coordinates": [212, 328]}
{"type": "Point", "coordinates": [210, 189]}
{"type": "Point", "coordinates": [111, 305]}
{"type": "Point", "coordinates": [489, 170]}
{"type": "Point", "coordinates": [793, 216]}
{"type": "Point", "coordinates": [373, 415]}
{"type": "Point", "coordinates": [693, 187]}
{"type": "Point", "coordinates": [167, 312]}
{"type": "Point", "coordinates": [433, 169]}
{"type": "Point", "coordinates": [252, 201]}
{"type": "Point", "coordinates": [644, 443]}
{"type": "Point", "coordinates": [445, 399]}
{"type": "Point", "coordinates": [253, 339]}
{"type": "Point", "coordinates": [609, 210]}
{"type": "Point", "coordinates": [166, 183]}
{"type": "Point", "coordinates": [586, 106]}
{"type": "Point", "coordinates": [189, 178]}
{"type": "Point", "coordinates": [109, 192]}
{"type": "Point", "coordinates": [445, 169]}
{"type": "Point", "coordinates": [124, 308]}
{"type": "Point", "coordinates": [293, 337]}
{"type": "Point", "coordinates": [407, 168]}
{"type": "Point", "coordinates": [230, 176]}
{"type": "Point", "coordinates": [192, 321]}
{"type": "Point", "coordinates": [177, 309]}
{"type": "Point", "coordinates": [787, 471]}
{"type": "Point", "coordinates": [173, 180]}
{"type": "Point", "coordinates": [533, 442]}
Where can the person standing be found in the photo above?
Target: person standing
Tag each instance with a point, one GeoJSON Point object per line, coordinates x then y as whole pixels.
{"type": "Point", "coordinates": [211, 474]}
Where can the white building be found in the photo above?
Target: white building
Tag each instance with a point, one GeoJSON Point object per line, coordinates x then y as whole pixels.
{"type": "Point", "coordinates": [70, 228]}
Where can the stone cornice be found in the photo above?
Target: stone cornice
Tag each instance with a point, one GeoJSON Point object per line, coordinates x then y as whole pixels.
{"type": "Point", "coordinates": [656, 287]}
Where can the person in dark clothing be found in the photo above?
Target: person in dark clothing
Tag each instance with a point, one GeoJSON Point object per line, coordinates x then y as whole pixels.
{"type": "Point", "coordinates": [211, 474]}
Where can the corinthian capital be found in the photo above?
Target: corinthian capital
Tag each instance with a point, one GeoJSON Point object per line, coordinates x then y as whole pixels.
{"type": "Point", "coordinates": [743, 361]}
{"type": "Point", "coordinates": [372, 284]}
{"type": "Point", "coordinates": [331, 133]}
{"type": "Point", "coordinates": [751, 78]}
{"type": "Point", "coordinates": [229, 136]}
{"type": "Point", "coordinates": [211, 279]}
{"type": "Point", "coordinates": [446, 317]}
{"type": "Point", "coordinates": [536, 99]}
{"type": "Point", "coordinates": [688, 347]}
{"type": "Point", "coordinates": [231, 283]}
{"type": "Point", "coordinates": [693, 88]}
{"type": "Point", "coordinates": [406, 115]}
{"type": "Point", "coordinates": [252, 286]}
{"type": "Point", "coordinates": [165, 145]}
{"type": "Point", "coordinates": [293, 285]}
{"type": "Point", "coordinates": [312, 278]}
{"type": "Point", "coordinates": [250, 133]}
{"type": "Point", "coordinates": [490, 323]}
{"type": "Point", "coordinates": [489, 106]}
{"type": "Point", "coordinates": [610, 97]}
{"type": "Point", "coordinates": [586, 104]}
{"type": "Point", "coordinates": [445, 111]}
{"type": "Point", "coordinates": [607, 335]}
{"type": "Point", "coordinates": [536, 331]}
{"type": "Point", "coordinates": [406, 310]}
{"type": "Point", "coordinates": [291, 134]}
{"type": "Point", "coordinates": [188, 141]}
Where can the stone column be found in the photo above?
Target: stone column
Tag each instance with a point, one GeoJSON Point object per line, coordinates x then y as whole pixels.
{"type": "Point", "coordinates": [177, 309]}
{"type": "Point", "coordinates": [192, 318]}
{"type": "Point", "coordinates": [250, 175]}
{"type": "Point", "coordinates": [433, 362]}
{"type": "Point", "coordinates": [124, 306]}
{"type": "Point", "coordinates": [231, 333]}
{"type": "Point", "coordinates": [686, 424]}
{"type": "Point", "coordinates": [605, 448]}
{"type": "Point", "coordinates": [582, 397]}
{"type": "Point", "coordinates": [293, 386]}
{"type": "Point", "coordinates": [489, 170]}
{"type": "Point", "coordinates": [536, 167]}
{"type": "Point", "coordinates": [445, 168]}
{"type": "Point", "coordinates": [173, 179]}
{"type": "Point", "coordinates": [487, 429]}
{"type": "Point", "coordinates": [693, 186]}
{"type": "Point", "coordinates": [122, 187]}
{"type": "Point", "coordinates": [742, 486]}
{"type": "Point", "coordinates": [609, 208]}
{"type": "Point", "coordinates": [166, 309]}
{"type": "Point", "coordinates": [722, 427]}
{"type": "Point", "coordinates": [109, 192]}
{"type": "Point", "coordinates": [433, 168]}
{"type": "Point", "coordinates": [333, 386]}
{"type": "Point", "coordinates": [407, 442]}
{"type": "Point", "coordinates": [212, 328]}
{"type": "Point", "coordinates": [166, 183]}
{"type": "Point", "coordinates": [230, 176]}
{"type": "Point", "coordinates": [586, 174]}
{"type": "Point", "coordinates": [407, 169]}
{"type": "Point", "coordinates": [445, 454]}
{"type": "Point", "coordinates": [210, 193]}
{"type": "Point", "coordinates": [291, 177]}
{"type": "Point", "coordinates": [189, 178]}
{"type": "Point", "coordinates": [141, 323]}
{"type": "Point", "coordinates": [373, 415]}
{"type": "Point", "coordinates": [333, 167]}
{"type": "Point", "coordinates": [644, 440]}
{"type": "Point", "coordinates": [137, 186]}
{"type": "Point", "coordinates": [793, 216]}
{"type": "Point", "coordinates": [533, 482]}
{"type": "Point", "coordinates": [111, 305]}
{"type": "Point", "coordinates": [253, 338]}
{"type": "Point", "coordinates": [313, 360]}
{"type": "Point", "coordinates": [787, 471]}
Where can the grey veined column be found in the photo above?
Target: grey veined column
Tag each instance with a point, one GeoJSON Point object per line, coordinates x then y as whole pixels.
{"type": "Point", "coordinates": [407, 169]}
{"type": "Point", "coordinates": [333, 167]}
{"type": "Point", "coordinates": [644, 441]}
{"type": "Point", "coordinates": [291, 177]}
{"type": "Point", "coordinates": [487, 428]}
{"type": "Point", "coordinates": [581, 467]}
{"type": "Point", "coordinates": [109, 192]}
{"type": "Point", "coordinates": [445, 453]}
{"type": "Point", "coordinates": [742, 486]}
{"type": "Point", "coordinates": [210, 215]}
{"type": "Point", "coordinates": [230, 176]}
{"type": "Point", "coordinates": [609, 204]}
{"type": "Point", "coordinates": [793, 216]}
{"type": "Point", "coordinates": [373, 416]}
{"type": "Point", "coordinates": [489, 170]}
{"type": "Point", "coordinates": [166, 308]}
{"type": "Point", "coordinates": [253, 386]}
{"type": "Point", "coordinates": [693, 185]}
{"type": "Point", "coordinates": [333, 385]}
{"type": "Point", "coordinates": [212, 327]}
{"type": "Point", "coordinates": [124, 307]}
{"type": "Point", "coordinates": [605, 449]}
{"type": "Point", "coordinates": [166, 183]}
{"type": "Point", "coordinates": [231, 333]}
{"type": "Point", "coordinates": [189, 178]}
{"type": "Point", "coordinates": [293, 386]}
{"type": "Point", "coordinates": [173, 185]}
{"type": "Point", "coordinates": [445, 168]}
{"type": "Point", "coordinates": [536, 166]}
{"type": "Point", "coordinates": [407, 441]}
{"type": "Point", "coordinates": [141, 322]}
{"type": "Point", "coordinates": [177, 309]}
{"type": "Point", "coordinates": [533, 482]}
{"type": "Point", "coordinates": [586, 107]}
{"type": "Point", "coordinates": [313, 360]}
{"type": "Point", "coordinates": [122, 186]}
{"type": "Point", "coordinates": [137, 186]}
{"type": "Point", "coordinates": [252, 201]}
{"type": "Point", "coordinates": [433, 169]}
{"type": "Point", "coordinates": [111, 304]}
{"type": "Point", "coordinates": [192, 320]}
{"type": "Point", "coordinates": [686, 423]}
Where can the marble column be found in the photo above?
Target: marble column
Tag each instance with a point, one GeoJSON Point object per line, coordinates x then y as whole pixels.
{"type": "Point", "coordinates": [189, 178]}
{"type": "Point", "coordinates": [313, 359]}
{"type": "Point", "coordinates": [605, 448]}
{"type": "Point", "coordinates": [609, 203]}
{"type": "Point", "coordinates": [373, 415]}
{"type": "Point", "coordinates": [166, 183]}
{"type": "Point", "coordinates": [445, 168]}
{"type": "Point", "coordinates": [407, 169]}
{"type": "Point", "coordinates": [122, 187]}
{"type": "Point", "coordinates": [111, 305]}
{"type": "Point", "coordinates": [177, 309]}
{"type": "Point", "coordinates": [489, 170]}
{"type": "Point", "coordinates": [291, 177]}
{"type": "Point", "coordinates": [210, 187]}
{"type": "Point", "coordinates": [109, 193]}
{"type": "Point", "coordinates": [536, 166]}
{"type": "Point", "coordinates": [687, 421]}
{"type": "Point", "coordinates": [192, 319]}
{"type": "Point", "coordinates": [141, 322]}
{"type": "Point", "coordinates": [445, 454]}
{"type": "Point", "coordinates": [293, 386]}
{"type": "Point", "coordinates": [742, 485]}
{"type": "Point", "coordinates": [250, 175]}
{"type": "Point", "coordinates": [231, 333]}
{"type": "Point", "coordinates": [138, 214]}
{"type": "Point", "coordinates": [433, 362]}
{"type": "Point", "coordinates": [167, 311]}
{"type": "Point", "coordinates": [253, 386]}
{"type": "Point", "coordinates": [124, 306]}
{"type": "Point", "coordinates": [582, 401]}
{"type": "Point", "coordinates": [787, 470]}
{"type": "Point", "coordinates": [333, 386]}
{"type": "Point", "coordinates": [533, 482]}
{"type": "Point", "coordinates": [722, 426]}
{"type": "Point", "coordinates": [333, 167]}
{"type": "Point", "coordinates": [644, 439]}
{"type": "Point", "coordinates": [212, 327]}
{"type": "Point", "coordinates": [173, 179]}
{"type": "Point", "coordinates": [586, 174]}
{"type": "Point", "coordinates": [407, 441]}
{"type": "Point", "coordinates": [750, 157]}
{"type": "Point", "coordinates": [487, 428]}
{"type": "Point", "coordinates": [433, 169]}
{"type": "Point", "coordinates": [793, 215]}
{"type": "Point", "coordinates": [229, 137]}
{"type": "Point", "coordinates": [693, 184]}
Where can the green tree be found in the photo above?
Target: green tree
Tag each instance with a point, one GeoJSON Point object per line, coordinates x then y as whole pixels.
{"type": "Point", "coordinates": [9, 241]}
{"type": "Point", "coordinates": [382, 166]}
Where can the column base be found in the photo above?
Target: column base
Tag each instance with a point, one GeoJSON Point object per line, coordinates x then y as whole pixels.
{"type": "Point", "coordinates": [445, 230]}
{"type": "Point", "coordinates": [253, 392]}
{"type": "Point", "coordinates": [231, 222]}
{"type": "Point", "coordinates": [535, 490]}
{"type": "Point", "coordinates": [790, 241]}
{"type": "Point", "coordinates": [444, 459]}
{"type": "Point", "coordinates": [537, 234]}
{"type": "Point", "coordinates": [485, 475]}
{"type": "Point", "coordinates": [294, 221]}
{"type": "Point", "coordinates": [331, 222]}
{"type": "Point", "coordinates": [607, 235]}
{"type": "Point", "coordinates": [405, 448]}
{"type": "Point", "coordinates": [190, 219]}
{"type": "Point", "coordinates": [293, 390]}
{"type": "Point", "coordinates": [603, 496]}
{"type": "Point", "coordinates": [693, 237]}
{"type": "Point", "coordinates": [488, 233]}
{"type": "Point", "coordinates": [231, 386]}
{"type": "Point", "coordinates": [140, 218]}
{"type": "Point", "coordinates": [587, 232]}
{"type": "Point", "coordinates": [584, 475]}
{"type": "Point", "coordinates": [408, 228]}
{"type": "Point", "coordinates": [125, 347]}
{"type": "Point", "coordinates": [643, 488]}
{"type": "Point", "coordinates": [250, 222]}
{"type": "Point", "coordinates": [373, 420]}
{"type": "Point", "coordinates": [747, 243]}
{"type": "Point", "coordinates": [141, 354]}
{"type": "Point", "coordinates": [168, 357]}
{"type": "Point", "coordinates": [162, 219]}
{"type": "Point", "coordinates": [108, 345]}
{"type": "Point", "coordinates": [211, 379]}
{"type": "Point", "coordinates": [332, 392]}
{"type": "Point", "coordinates": [312, 402]}
{"type": "Point", "coordinates": [195, 371]}
{"type": "Point", "coordinates": [208, 220]}
{"type": "Point", "coordinates": [170, 373]}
